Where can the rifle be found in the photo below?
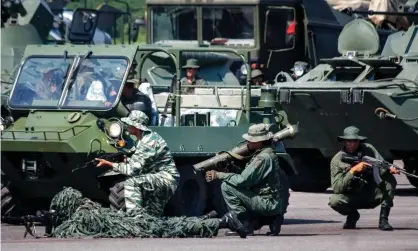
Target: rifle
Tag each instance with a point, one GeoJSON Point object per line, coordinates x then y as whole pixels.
{"type": "Point", "coordinates": [110, 157]}
{"type": "Point", "coordinates": [47, 218]}
{"type": "Point", "coordinates": [375, 164]}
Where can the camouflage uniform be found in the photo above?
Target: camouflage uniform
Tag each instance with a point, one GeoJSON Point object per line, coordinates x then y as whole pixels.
{"type": "Point", "coordinates": [152, 174]}
{"type": "Point", "coordinates": [193, 64]}
{"type": "Point", "coordinates": [262, 188]}
{"type": "Point", "coordinates": [353, 192]}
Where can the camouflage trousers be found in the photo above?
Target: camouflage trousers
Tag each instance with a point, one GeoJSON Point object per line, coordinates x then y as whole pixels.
{"type": "Point", "coordinates": [243, 201]}
{"type": "Point", "coordinates": [367, 198]}
{"type": "Point", "coordinates": [150, 191]}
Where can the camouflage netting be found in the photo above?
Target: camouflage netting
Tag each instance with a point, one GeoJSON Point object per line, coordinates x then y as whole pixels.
{"type": "Point", "coordinates": [79, 217]}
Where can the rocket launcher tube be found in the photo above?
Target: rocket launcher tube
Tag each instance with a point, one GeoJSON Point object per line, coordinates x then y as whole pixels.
{"type": "Point", "coordinates": [240, 151]}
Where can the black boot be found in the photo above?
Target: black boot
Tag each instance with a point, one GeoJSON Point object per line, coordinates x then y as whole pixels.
{"type": "Point", "coordinates": [276, 226]}
{"type": "Point", "coordinates": [238, 227]}
{"type": "Point", "coordinates": [383, 220]}
{"type": "Point", "coordinates": [210, 215]}
{"type": "Point", "coordinates": [351, 221]}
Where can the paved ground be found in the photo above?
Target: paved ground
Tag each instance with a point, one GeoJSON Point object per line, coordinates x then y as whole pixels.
{"type": "Point", "coordinates": [310, 225]}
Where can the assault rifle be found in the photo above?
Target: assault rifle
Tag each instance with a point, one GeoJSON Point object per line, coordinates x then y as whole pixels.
{"type": "Point", "coordinates": [110, 157]}
{"type": "Point", "coordinates": [47, 218]}
{"type": "Point", "coordinates": [376, 165]}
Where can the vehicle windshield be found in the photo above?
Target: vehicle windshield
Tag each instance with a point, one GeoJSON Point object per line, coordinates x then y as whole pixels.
{"type": "Point", "coordinates": [97, 83]}
{"type": "Point", "coordinates": [228, 23]}
{"type": "Point", "coordinates": [180, 23]}
{"type": "Point", "coordinates": [96, 86]}
{"type": "Point", "coordinates": [173, 23]}
{"type": "Point", "coordinates": [40, 81]}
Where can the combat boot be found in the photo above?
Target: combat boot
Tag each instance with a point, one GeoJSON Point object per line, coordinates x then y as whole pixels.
{"type": "Point", "coordinates": [230, 221]}
{"type": "Point", "coordinates": [351, 221]}
{"type": "Point", "coordinates": [276, 226]}
{"type": "Point", "coordinates": [383, 220]}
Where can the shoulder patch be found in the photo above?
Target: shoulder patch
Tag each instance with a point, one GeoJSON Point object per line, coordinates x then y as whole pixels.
{"type": "Point", "coordinates": [257, 162]}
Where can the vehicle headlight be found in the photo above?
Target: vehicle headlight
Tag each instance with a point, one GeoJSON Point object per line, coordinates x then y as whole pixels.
{"type": "Point", "coordinates": [115, 130]}
{"type": "Point", "coordinates": [243, 69]}
{"type": "Point", "coordinates": [299, 69]}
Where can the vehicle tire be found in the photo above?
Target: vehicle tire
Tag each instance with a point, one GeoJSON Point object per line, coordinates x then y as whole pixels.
{"type": "Point", "coordinates": [190, 196]}
{"type": "Point", "coordinates": [117, 196]}
{"type": "Point", "coordinates": [313, 179]}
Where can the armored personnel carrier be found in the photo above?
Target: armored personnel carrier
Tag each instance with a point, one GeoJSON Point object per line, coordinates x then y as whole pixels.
{"type": "Point", "coordinates": [276, 33]}
{"type": "Point", "coordinates": [56, 134]}
{"type": "Point", "coordinates": [376, 93]}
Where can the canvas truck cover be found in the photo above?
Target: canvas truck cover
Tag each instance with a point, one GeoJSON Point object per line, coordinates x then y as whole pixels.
{"type": "Point", "coordinates": [375, 5]}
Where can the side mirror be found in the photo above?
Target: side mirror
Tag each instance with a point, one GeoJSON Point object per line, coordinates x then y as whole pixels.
{"type": "Point", "coordinates": [83, 25]}
{"type": "Point", "coordinates": [136, 27]}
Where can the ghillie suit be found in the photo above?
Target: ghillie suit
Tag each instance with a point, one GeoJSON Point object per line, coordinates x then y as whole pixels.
{"type": "Point", "coordinates": [79, 217]}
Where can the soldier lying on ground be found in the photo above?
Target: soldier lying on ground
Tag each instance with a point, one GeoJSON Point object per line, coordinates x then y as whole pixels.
{"type": "Point", "coordinates": [152, 177]}
{"type": "Point", "coordinates": [261, 189]}
{"type": "Point", "coordinates": [354, 187]}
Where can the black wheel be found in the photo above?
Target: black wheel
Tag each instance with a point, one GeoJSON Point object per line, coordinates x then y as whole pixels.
{"type": "Point", "coordinates": [117, 196]}
{"type": "Point", "coordinates": [9, 204]}
{"type": "Point", "coordinates": [312, 177]}
{"type": "Point", "coordinates": [190, 196]}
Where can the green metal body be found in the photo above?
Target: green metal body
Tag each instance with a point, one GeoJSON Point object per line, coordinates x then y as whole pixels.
{"type": "Point", "coordinates": [60, 139]}
{"type": "Point", "coordinates": [348, 90]}
{"type": "Point", "coordinates": [275, 33]}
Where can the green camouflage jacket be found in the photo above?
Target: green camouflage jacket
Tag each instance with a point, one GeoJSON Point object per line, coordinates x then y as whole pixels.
{"type": "Point", "coordinates": [151, 155]}
{"type": "Point", "coordinates": [190, 90]}
{"type": "Point", "coordinates": [262, 175]}
{"type": "Point", "coordinates": [342, 181]}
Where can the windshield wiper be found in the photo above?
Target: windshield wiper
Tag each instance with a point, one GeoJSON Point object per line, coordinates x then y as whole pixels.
{"type": "Point", "coordinates": [76, 69]}
{"type": "Point", "coordinates": [66, 70]}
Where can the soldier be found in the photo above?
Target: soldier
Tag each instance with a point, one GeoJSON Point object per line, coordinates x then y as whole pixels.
{"type": "Point", "coordinates": [51, 77]}
{"type": "Point", "coordinates": [261, 189]}
{"type": "Point", "coordinates": [354, 187]}
{"type": "Point", "coordinates": [257, 77]}
{"type": "Point", "coordinates": [152, 176]}
{"type": "Point", "coordinates": [191, 78]}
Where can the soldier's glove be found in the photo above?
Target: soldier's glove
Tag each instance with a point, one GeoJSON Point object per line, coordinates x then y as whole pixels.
{"type": "Point", "coordinates": [210, 175]}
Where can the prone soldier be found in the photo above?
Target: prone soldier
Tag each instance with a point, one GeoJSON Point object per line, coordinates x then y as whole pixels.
{"type": "Point", "coordinates": [152, 175]}
{"type": "Point", "coordinates": [261, 189]}
{"type": "Point", "coordinates": [354, 186]}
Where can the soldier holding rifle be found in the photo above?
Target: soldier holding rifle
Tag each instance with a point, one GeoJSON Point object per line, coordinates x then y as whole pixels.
{"type": "Point", "coordinates": [354, 186]}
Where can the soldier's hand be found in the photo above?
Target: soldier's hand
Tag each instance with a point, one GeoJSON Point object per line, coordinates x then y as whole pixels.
{"type": "Point", "coordinates": [393, 170]}
{"type": "Point", "coordinates": [210, 175]}
{"type": "Point", "coordinates": [103, 162]}
{"type": "Point", "coordinates": [360, 167]}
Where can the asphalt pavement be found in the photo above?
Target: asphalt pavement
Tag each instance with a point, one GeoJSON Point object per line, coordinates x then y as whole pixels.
{"type": "Point", "coordinates": [309, 225]}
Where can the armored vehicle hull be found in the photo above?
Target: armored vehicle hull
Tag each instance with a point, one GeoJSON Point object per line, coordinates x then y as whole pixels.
{"type": "Point", "coordinates": [55, 135]}
{"type": "Point", "coordinates": [378, 94]}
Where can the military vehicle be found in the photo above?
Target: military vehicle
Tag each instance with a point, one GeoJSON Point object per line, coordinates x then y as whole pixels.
{"type": "Point", "coordinates": [54, 136]}
{"type": "Point", "coordinates": [359, 88]}
{"type": "Point", "coordinates": [276, 33]}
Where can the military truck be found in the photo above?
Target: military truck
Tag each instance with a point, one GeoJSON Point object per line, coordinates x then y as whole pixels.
{"type": "Point", "coordinates": [376, 93]}
{"type": "Point", "coordinates": [276, 33]}
{"type": "Point", "coordinates": [54, 136]}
